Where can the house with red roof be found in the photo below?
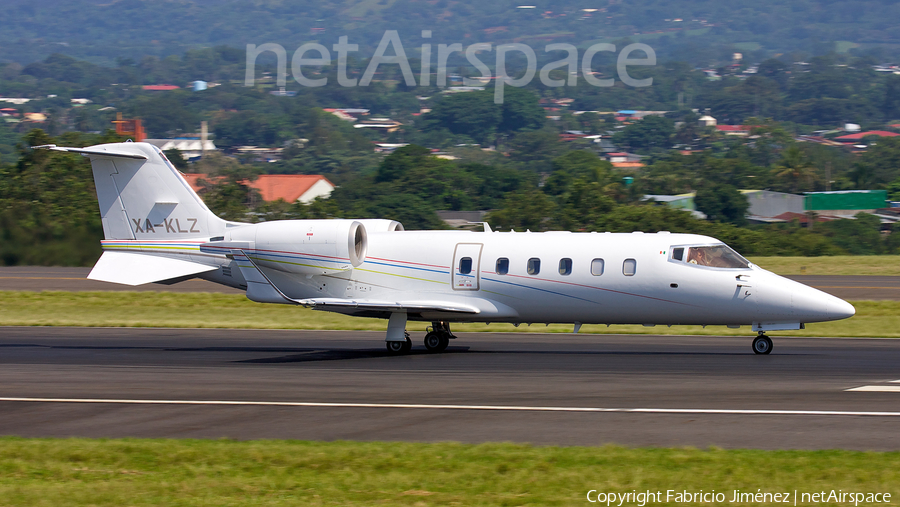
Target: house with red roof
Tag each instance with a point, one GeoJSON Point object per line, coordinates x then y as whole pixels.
{"type": "Point", "coordinates": [160, 88]}
{"type": "Point", "coordinates": [734, 130]}
{"type": "Point", "coordinates": [852, 138]}
{"type": "Point", "coordinates": [291, 187]}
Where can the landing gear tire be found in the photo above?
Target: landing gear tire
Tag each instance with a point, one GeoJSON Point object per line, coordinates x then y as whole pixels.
{"type": "Point", "coordinates": [397, 348]}
{"type": "Point", "coordinates": [438, 337]}
{"type": "Point", "coordinates": [433, 342]}
{"type": "Point", "coordinates": [436, 341]}
{"type": "Point", "coordinates": [762, 345]}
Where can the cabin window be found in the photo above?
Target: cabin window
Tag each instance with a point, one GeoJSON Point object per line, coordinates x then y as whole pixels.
{"type": "Point", "coordinates": [629, 267]}
{"type": "Point", "coordinates": [465, 265]}
{"type": "Point", "coordinates": [597, 266]}
{"type": "Point", "coordinates": [678, 254]}
{"type": "Point", "coordinates": [502, 266]}
{"type": "Point", "coordinates": [565, 267]}
{"type": "Point", "coordinates": [534, 266]}
{"type": "Point", "coordinates": [717, 256]}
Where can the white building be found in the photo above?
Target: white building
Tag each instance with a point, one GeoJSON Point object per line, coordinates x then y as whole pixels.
{"type": "Point", "coordinates": [189, 147]}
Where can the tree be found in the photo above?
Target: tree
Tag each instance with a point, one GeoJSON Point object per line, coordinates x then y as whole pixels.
{"type": "Point", "coordinates": [521, 111]}
{"type": "Point", "coordinates": [535, 146]}
{"type": "Point", "coordinates": [652, 132]}
{"type": "Point", "coordinates": [176, 158]}
{"type": "Point", "coordinates": [226, 188]}
{"type": "Point", "coordinates": [722, 203]}
{"type": "Point", "coordinates": [48, 204]}
{"type": "Point", "coordinates": [775, 70]}
{"type": "Point", "coordinates": [891, 106]}
{"type": "Point", "coordinates": [858, 237]}
{"type": "Point", "coordinates": [399, 163]}
{"type": "Point", "coordinates": [893, 190]}
{"type": "Point", "coordinates": [882, 162]}
{"type": "Point", "coordinates": [794, 172]}
{"type": "Point", "coordinates": [524, 210]}
{"type": "Point", "coordinates": [472, 114]}
{"type": "Point", "coordinates": [578, 165]}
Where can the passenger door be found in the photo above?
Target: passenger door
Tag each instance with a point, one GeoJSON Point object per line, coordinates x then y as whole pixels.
{"type": "Point", "coordinates": [466, 269]}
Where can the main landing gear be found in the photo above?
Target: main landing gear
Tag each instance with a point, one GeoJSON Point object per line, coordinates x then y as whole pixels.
{"type": "Point", "coordinates": [397, 348]}
{"type": "Point", "coordinates": [438, 337]}
{"type": "Point", "coordinates": [762, 344]}
{"type": "Point", "coordinates": [437, 340]}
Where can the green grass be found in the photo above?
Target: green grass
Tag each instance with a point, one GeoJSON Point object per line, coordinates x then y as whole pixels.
{"type": "Point", "coordinates": [83, 472]}
{"type": "Point", "coordinates": [860, 265]}
{"type": "Point", "coordinates": [205, 310]}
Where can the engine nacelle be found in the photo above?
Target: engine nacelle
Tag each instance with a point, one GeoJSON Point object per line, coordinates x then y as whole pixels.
{"type": "Point", "coordinates": [381, 225]}
{"type": "Point", "coordinates": [311, 247]}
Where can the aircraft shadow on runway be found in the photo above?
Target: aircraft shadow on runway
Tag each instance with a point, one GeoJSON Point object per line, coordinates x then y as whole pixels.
{"type": "Point", "coordinates": [309, 354]}
{"type": "Point", "coordinates": [343, 354]}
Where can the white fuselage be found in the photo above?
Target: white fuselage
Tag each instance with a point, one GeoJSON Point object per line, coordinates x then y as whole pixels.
{"type": "Point", "coordinates": [425, 265]}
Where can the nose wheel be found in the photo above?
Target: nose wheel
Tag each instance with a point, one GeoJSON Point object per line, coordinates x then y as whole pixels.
{"type": "Point", "coordinates": [762, 344]}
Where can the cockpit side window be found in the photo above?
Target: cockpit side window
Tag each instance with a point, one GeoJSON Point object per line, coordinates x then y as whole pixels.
{"type": "Point", "coordinates": [716, 256]}
{"type": "Point", "coordinates": [678, 254]}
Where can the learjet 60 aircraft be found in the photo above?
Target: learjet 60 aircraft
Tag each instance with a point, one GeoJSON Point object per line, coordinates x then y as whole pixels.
{"type": "Point", "coordinates": [158, 230]}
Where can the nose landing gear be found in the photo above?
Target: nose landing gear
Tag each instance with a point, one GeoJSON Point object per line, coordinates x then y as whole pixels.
{"type": "Point", "coordinates": [762, 344]}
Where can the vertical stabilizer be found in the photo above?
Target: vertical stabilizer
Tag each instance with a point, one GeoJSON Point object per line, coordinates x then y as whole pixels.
{"type": "Point", "coordinates": [143, 197]}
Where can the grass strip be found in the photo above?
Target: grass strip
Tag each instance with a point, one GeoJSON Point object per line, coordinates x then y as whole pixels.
{"type": "Point", "coordinates": [874, 319]}
{"type": "Point", "coordinates": [845, 265]}
{"type": "Point", "coordinates": [82, 472]}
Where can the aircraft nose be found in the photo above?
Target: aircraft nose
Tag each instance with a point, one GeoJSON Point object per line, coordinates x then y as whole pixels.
{"type": "Point", "coordinates": [839, 309]}
{"type": "Point", "coordinates": [809, 304]}
{"type": "Point", "coordinates": [813, 305]}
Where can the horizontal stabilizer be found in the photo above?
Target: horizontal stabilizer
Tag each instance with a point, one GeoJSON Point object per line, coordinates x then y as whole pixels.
{"type": "Point", "coordinates": [130, 268]}
{"type": "Point", "coordinates": [92, 152]}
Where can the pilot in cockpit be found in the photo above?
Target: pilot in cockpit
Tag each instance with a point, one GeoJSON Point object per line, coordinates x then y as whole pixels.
{"type": "Point", "coordinates": [697, 256]}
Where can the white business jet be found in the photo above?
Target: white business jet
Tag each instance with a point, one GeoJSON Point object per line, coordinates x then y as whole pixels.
{"type": "Point", "coordinates": [158, 230]}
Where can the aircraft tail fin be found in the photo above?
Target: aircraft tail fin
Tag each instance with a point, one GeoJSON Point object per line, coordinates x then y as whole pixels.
{"type": "Point", "coordinates": [143, 197]}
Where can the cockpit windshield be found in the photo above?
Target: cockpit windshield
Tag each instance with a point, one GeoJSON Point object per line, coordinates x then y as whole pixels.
{"type": "Point", "coordinates": [716, 256]}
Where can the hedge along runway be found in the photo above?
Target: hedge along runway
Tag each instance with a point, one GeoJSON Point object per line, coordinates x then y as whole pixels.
{"type": "Point", "coordinates": [321, 385]}
{"type": "Point", "coordinates": [39, 278]}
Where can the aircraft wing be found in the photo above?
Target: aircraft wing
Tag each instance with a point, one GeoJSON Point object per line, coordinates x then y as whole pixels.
{"type": "Point", "coordinates": [261, 289]}
{"type": "Point", "coordinates": [336, 304]}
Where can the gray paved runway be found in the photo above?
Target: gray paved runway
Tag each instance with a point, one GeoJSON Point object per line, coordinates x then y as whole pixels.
{"type": "Point", "coordinates": [75, 279]}
{"type": "Point", "coordinates": [478, 369]}
{"type": "Point", "coordinates": [855, 287]}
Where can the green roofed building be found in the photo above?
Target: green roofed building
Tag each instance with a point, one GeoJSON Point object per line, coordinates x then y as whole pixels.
{"type": "Point", "coordinates": [845, 202]}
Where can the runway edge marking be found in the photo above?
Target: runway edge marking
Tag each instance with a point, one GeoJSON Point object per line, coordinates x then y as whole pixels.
{"type": "Point", "coordinates": [875, 389]}
{"type": "Point", "coordinates": [510, 408]}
